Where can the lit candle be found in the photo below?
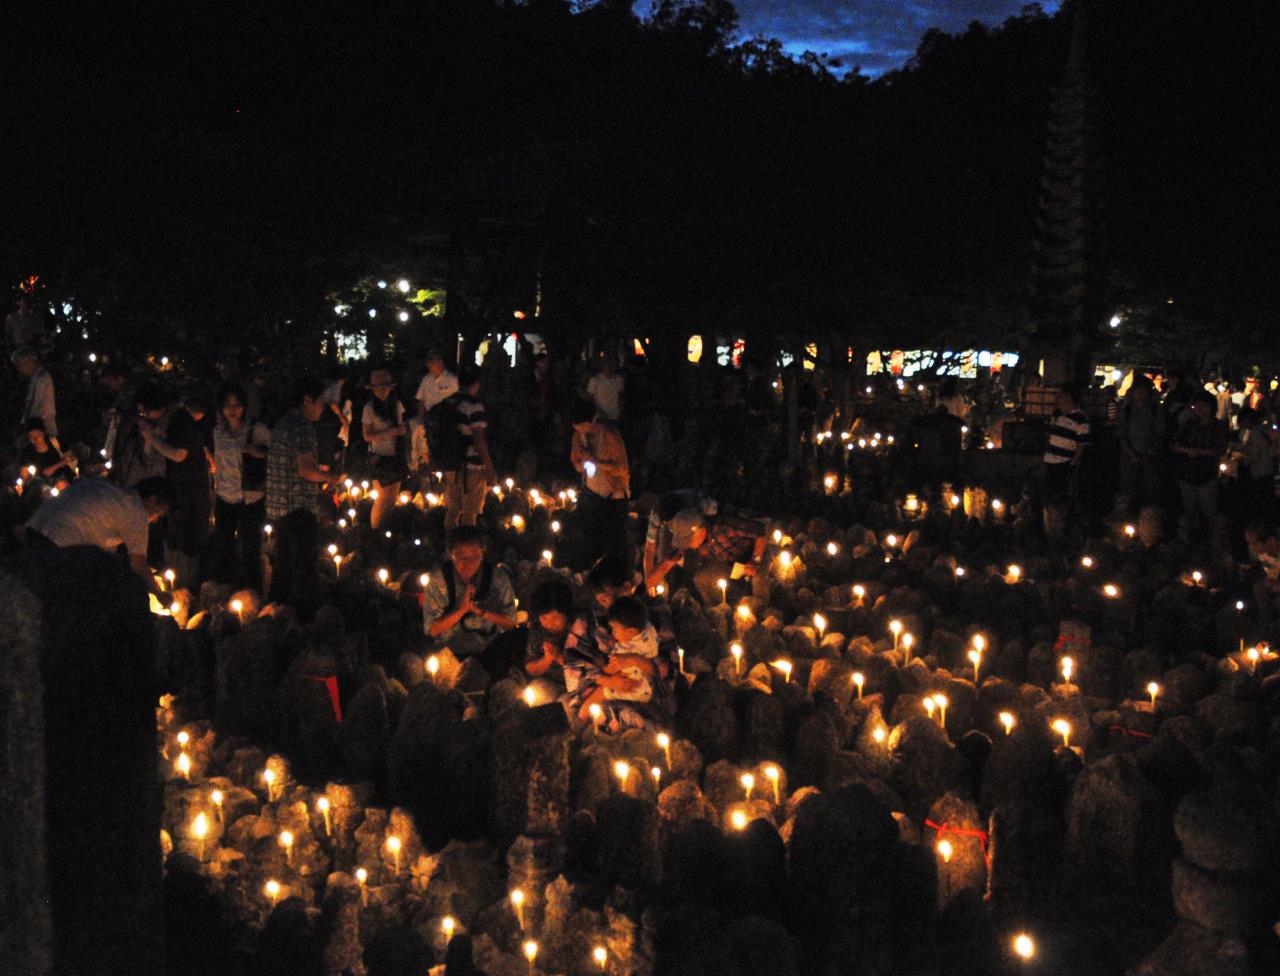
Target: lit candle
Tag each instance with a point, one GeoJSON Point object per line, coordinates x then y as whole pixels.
{"type": "Point", "coordinates": [383, 576]}
{"type": "Point", "coordinates": [784, 666]}
{"type": "Point", "coordinates": [199, 831]}
{"type": "Point", "coordinates": [748, 783]}
{"type": "Point", "coordinates": [722, 585]}
{"type": "Point", "coordinates": [601, 955]}
{"type": "Point", "coordinates": [908, 641]}
{"type": "Point", "coordinates": [1068, 669]}
{"type": "Point", "coordinates": [997, 507]}
{"type": "Point", "coordinates": [656, 773]}
{"type": "Point", "coordinates": [1008, 721]}
{"type": "Point", "coordinates": [785, 559]}
{"type": "Point", "coordinates": [1111, 590]}
{"type": "Point", "coordinates": [362, 878]}
{"type": "Point", "coordinates": [1197, 577]}
{"type": "Point", "coordinates": [1254, 655]}
{"type": "Point", "coordinates": [1014, 574]}
{"type": "Point", "coordinates": [394, 845]}
{"type": "Point", "coordinates": [929, 705]}
{"type": "Point", "coordinates": [337, 564]}
{"type": "Point", "coordinates": [1153, 690]}
{"type": "Point", "coordinates": [285, 839]}
{"type": "Point", "coordinates": [859, 680]}
{"type": "Point", "coordinates": [945, 850]}
{"type": "Point", "coordinates": [829, 482]}
{"type": "Point", "coordinates": [891, 540]}
{"type": "Point", "coordinates": [529, 695]}
{"type": "Point", "coordinates": [517, 902]}
{"type": "Point", "coordinates": [272, 890]}
{"type": "Point", "coordinates": [832, 549]}
{"type": "Point", "coordinates": [879, 734]}
{"type": "Point", "coordinates": [820, 622]}
{"type": "Point", "coordinates": [169, 575]}
{"type": "Point", "coordinates": [322, 805]}
{"type": "Point", "coordinates": [447, 926]}
{"type": "Point", "coordinates": [517, 522]}
{"type": "Point", "coordinates": [738, 819]}
{"type": "Point", "coordinates": [1063, 728]}
{"type": "Point", "coordinates": [912, 503]}
{"type": "Point", "coordinates": [622, 770]}
{"type": "Point", "coordinates": [530, 952]}
{"type": "Point", "coordinates": [433, 666]}
{"type": "Point", "coordinates": [269, 777]}
{"type": "Point", "coordinates": [547, 556]}
{"type": "Point", "coordinates": [1024, 947]}
{"type": "Point", "coordinates": [777, 537]}
{"type": "Point", "coordinates": [736, 651]}
{"type": "Point", "coordinates": [895, 628]}
{"type": "Point", "coordinates": [237, 607]}
{"type": "Point", "coordinates": [680, 659]}
{"type": "Point", "coordinates": [859, 591]}
{"type": "Point", "coordinates": [216, 799]}
{"type": "Point", "coordinates": [555, 525]}
{"type": "Point", "coordinates": [772, 773]}
{"type": "Point", "coordinates": [597, 715]}
{"type": "Point", "coordinates": [664, 743]}
{"type": "Point", "coordinates": [975, 658]}
{"type": "Point", "coordinates": [1130, 531]}
{"type": "Point", "coordinates": [1086, 562]}
{"type": "Point", "coordinates": [942, 702]}
{"type": "Point", "coordinates": [183, 766]}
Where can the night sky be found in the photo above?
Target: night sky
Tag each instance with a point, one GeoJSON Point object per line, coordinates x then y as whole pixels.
{"type": "Point", "coordinates": [879, 35]}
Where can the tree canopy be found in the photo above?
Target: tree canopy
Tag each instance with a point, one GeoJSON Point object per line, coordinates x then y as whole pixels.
{"type": "Point", "coordinates": [208, 168]}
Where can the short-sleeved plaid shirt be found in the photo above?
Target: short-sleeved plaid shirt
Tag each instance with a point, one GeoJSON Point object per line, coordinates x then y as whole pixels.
{"type": "Point", "coordinates": [288, 491]}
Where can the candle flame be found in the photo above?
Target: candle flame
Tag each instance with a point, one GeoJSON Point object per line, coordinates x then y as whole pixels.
{"type": "Point", "coordinates": [738, 819]}
{"type": "Point", "coordinates": [945, 850]}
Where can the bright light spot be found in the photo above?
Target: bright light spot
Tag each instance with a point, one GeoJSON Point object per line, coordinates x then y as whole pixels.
{"type": "Point", "coordinates": [402, 286]}
{"type": "Point", "coordinates": [1024, 947]}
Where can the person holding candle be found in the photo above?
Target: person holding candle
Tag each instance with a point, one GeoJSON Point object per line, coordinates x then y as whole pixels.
{"type": "Point", "coordinates": [1198, 446]}
{"type": "Point", "coordinates": [42, 453]}
{"type": "Point", "coordinates": [598, 452]}
{"type": "Point", "coordinates": [469, 601]}
{"type": "Point", "coordinates": [293, 482]}
{"type": "Point", "coordinates": [708, 549]}
{"type": "Point", "coordinates": [240, 447]}
{"type": "Point", "coordinates": [383, 428]}
{"type": "Point", "coordinates": [462, 422]}
{"type": "Point", "coordinates": [97, 513]}
{"type": "Point", "coordinates": [629, 673]}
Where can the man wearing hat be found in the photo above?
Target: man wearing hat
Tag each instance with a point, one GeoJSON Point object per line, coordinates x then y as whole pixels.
{"type": "Point", "coordinates": [382, 423]}
{"type": "Point", "coordinates": [707, 548]}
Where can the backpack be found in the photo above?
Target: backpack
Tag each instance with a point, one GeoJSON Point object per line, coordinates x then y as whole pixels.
{"type": "Point", "coordinates": [445, 440]}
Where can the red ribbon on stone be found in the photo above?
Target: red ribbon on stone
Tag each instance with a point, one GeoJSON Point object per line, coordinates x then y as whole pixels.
{"type": "Point", "coordinates": [331, 684]}
{"type": "Point", "coordinates": [1125, 730]}
{"type": "Point", "coordinates": [944, 828]}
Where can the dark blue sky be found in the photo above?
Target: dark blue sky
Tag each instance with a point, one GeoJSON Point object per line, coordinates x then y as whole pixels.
{"type": "Point", "coordinates": [878, 34]}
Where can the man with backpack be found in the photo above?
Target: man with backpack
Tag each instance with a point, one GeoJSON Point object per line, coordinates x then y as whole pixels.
{"type": "Point", "coordinates": [456, 434]}
{"type": "Point", "coordinates": [469, 600]}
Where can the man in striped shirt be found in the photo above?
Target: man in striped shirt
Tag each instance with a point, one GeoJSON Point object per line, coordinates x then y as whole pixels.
{"type": "Point", "coordinates": [1068, 438]}
{"type": "Point", "coordinates": [465, 489]}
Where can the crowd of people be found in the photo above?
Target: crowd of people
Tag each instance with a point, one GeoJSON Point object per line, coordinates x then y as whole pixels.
{"type": "Point", "coordinates": [240, 486]}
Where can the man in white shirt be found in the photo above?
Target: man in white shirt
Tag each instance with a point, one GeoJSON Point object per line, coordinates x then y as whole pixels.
{"type": "Point", "coordinates": [98, 513]}
{"type": "Point", "coordinates": [605, 390]}
{"type": "Point", "coordinates": [39, 400]}
{"type": "Point", "coordinates": [438, 385]}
